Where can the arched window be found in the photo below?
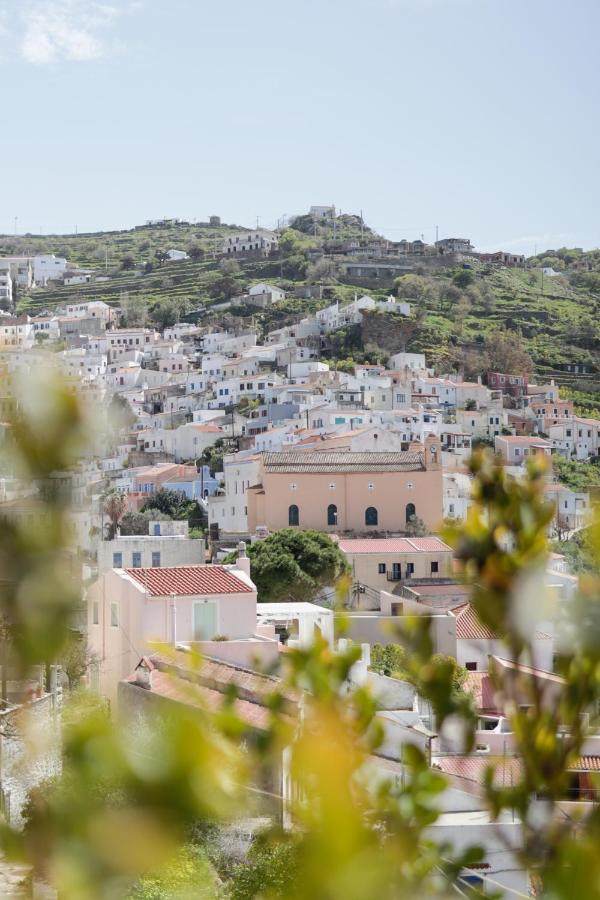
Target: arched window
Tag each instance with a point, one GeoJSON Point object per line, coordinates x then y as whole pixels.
{"type": "Point", "coordinates": [371, 517]}
{"type": "Point", "coordinates": [332, 514]}
{"type": "Point", "coordinates": [293, 515]}
{"type": "Point", "coordinates": [410, 511]}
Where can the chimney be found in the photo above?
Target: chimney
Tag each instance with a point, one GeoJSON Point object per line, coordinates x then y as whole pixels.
{"type": "Point", "coordinates": [243, 562]}
{"type": "Point", "coordinates": [143, 675]}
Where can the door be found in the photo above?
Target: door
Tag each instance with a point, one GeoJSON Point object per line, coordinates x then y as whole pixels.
{"type": "Point", "coordinates": [396, 572]}
{"type": "Point", "coordinates": [205, 621]}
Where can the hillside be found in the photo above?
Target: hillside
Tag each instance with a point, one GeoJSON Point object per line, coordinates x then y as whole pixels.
{"type": "Point", "coordinates": [457, 312]}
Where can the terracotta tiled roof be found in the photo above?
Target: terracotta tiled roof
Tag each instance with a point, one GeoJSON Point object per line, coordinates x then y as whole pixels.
{"type": "Point", "coordinates": [430, 544]}
{"type": "Point", "coordinates": [524, 439]}
{"type": "Point", "coordinates": [189, 580]}
{"type": "Point", "coordinates": [468, 626]}
{"type": "Point", "coordinates": [218, 675]}
{"type": "Point", "coordinates": [587, 764]}
{"type": "Point", "coordinates": [507, 770]}
{"type": "Point", "coordinates": [294, 461]}
{"type": "Point", "coordinates": [177, 689]}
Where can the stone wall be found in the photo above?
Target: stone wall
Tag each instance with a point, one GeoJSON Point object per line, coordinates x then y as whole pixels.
{"type": "Point", "coordinates": [30, 739]}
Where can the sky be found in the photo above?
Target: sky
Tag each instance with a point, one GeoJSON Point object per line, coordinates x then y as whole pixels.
{"type": "Point", "coordinates": [476, 117]}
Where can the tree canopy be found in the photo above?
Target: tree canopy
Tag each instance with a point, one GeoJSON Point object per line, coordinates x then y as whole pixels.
{"type": "Point", "coordinates": [294, 564]}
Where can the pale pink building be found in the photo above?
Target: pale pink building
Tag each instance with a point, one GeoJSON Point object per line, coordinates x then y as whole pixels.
{"type": "Point", "coordinates": [342, 491]}
{"type": "Point", "coordinates": [131, 611]}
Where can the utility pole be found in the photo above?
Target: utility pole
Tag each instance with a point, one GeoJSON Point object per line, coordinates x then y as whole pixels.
{"type": "Point", "coordinates": [16, 220]}
{"type": "Point", "coordinates": [437, 233]}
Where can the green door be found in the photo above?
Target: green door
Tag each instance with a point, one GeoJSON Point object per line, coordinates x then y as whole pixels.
{"type": "Point", "coordinates": [205, 621]}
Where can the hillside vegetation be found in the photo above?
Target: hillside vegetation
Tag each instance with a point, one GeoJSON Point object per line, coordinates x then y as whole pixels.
{"type": "Point", "coordinates": [459, 316]}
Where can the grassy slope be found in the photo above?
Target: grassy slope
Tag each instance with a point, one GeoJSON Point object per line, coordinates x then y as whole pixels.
{"type": "Point", "coordinates": [558, 326]}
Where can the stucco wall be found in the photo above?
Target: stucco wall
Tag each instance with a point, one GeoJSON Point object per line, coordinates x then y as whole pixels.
{"type": "Point", "coordinates": [352, 495]}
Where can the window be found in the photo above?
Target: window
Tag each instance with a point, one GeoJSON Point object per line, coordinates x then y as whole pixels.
{"type": "Point", "coordinates": [371, 516]}
{"type": "Point", "coordinates": [293, 515]}
{"type": "Point", "coordinates": [156, 559]}
{"type": "Point", "coordinates": [410, 569]}
{"type": "Point", "coordinates": [410, 511]}
{"type": "Point", "coordinates": [114, 614]}
{"type": "Point", "coordinates": [117, 560]}
{"type": "Point", "coordinates": [471, 666]}
{"type": "Point", "coordinates": [434, 567]}
{"type": "Point", "coordinates": [95, 613]}
{"type": "Point", "coordinates": [332, 514]}
{"type": "Point", "coordinates": [381, 568]}
{"type": "Point", "coordinates": [136, 559]}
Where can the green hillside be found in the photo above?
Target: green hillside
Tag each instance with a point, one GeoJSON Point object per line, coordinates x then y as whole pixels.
{"type": "Point", "coordinates": [457, 314]}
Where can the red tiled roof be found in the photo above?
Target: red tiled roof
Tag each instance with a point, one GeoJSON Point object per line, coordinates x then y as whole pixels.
{"type": "Point", "coordinates": [394, 545]}
{"type": "Point", "coordinates": [507, 770]}
{"type": "Point", "coordinates": [219, 675]}
{"type": "Point", "coordinates": [468, 626]}
{"type": "Point", "coordinates": [587, 764]}
{"type": "Point", "coordinates": [189, 580]}
{"type": "Point", "coordinates": [524, 439]}
{"type": "Point", "coordinates": [180, 691]}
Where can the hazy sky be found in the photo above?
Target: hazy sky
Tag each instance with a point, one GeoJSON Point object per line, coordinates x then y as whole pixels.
{"type": "Point", "coordinates": [480, 116]}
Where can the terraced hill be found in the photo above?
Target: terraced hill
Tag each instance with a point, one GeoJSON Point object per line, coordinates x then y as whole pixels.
{"type": "Point", "coordinates": [455, 313]}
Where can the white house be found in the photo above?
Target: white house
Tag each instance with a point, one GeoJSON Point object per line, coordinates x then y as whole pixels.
{"type": "Point", "coordinates": [229, 510]}
{"type": "Point", "coordinates": [177, 255]}
{"type": "Point", "coordinates": [260, 242]}
{"type": "Point", "coordinates": [413, 361]}
{"type": "Point", "coordinates": [517, 449]}
{"type": "Point", "coordinates": [336, 316]}
{"type": "Point", "coordinates": [190, 440]}
{"type": "Point", "coordinates": [265, 294]}
{"type": "Point", "coordinates": [47, 266]}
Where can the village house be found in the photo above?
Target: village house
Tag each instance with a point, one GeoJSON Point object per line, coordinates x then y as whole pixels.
{"type": "Point", "coordinates": [513, 385]}
{"type": "Point", "coordinates": [167, 544]}
{"type": "Point", "coordinates": [131, 611]}
{"type": "Point", "coordinates": [251, 243]}
{"type": "Point", "coordinates": [380, 562]}
{"type": "Point", "coordinates": [517, 449]}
